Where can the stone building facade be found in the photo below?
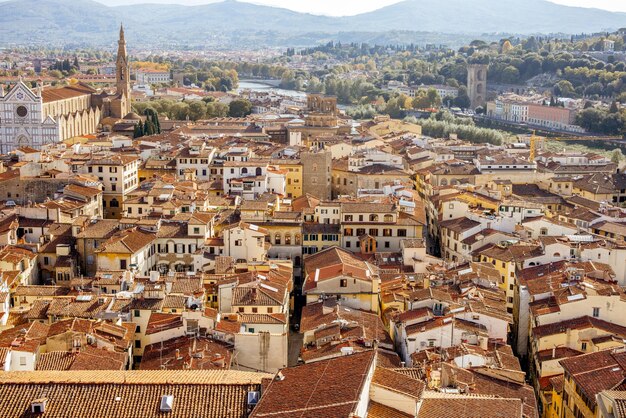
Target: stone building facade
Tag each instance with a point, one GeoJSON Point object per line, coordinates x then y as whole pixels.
{"type": "Point", "coordinates": [316, 174]}
{"type": "Point", "coordinates": [477, 84]}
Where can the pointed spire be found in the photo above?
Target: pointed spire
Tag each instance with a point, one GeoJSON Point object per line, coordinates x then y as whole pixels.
{"type": "Point", "coordinates": [122, 32]}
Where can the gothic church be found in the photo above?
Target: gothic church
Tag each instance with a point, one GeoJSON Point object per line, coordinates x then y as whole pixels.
{"type": "Point", "coordinates": [36, 117]}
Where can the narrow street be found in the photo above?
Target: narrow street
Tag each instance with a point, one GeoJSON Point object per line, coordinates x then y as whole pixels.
{"type": "Point", "coordinates": [295, 343]}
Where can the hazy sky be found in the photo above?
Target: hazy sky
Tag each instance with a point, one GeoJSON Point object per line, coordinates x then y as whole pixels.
{"type": "Point", "coordinates": [351, 7]}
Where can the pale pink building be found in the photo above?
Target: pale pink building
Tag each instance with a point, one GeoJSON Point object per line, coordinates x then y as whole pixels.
{"type": "Point", "coordinates": [553, 117]}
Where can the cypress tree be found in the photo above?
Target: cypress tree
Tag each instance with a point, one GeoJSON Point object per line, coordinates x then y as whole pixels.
{"type": "Point", "coordinates": [157, 124]}
{"type": "Point", "coordinates": [138, 131]}
{"type": "Point", "coordinates": [148, 128]}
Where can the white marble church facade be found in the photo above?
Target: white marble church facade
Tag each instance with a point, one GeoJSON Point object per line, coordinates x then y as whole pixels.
{"type": "Point", "coordinates": [23, 121]}
{"type": "Point", "coordinates": [40, 116]}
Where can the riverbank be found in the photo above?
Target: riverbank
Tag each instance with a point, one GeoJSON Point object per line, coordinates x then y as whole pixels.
{"type": "Point", "coordinates": [265, 86]}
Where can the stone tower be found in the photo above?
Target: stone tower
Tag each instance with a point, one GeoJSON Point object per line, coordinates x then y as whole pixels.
{"type": "Point", "coordinates": [477, 84]}
{"type": "Point", "coordinates": [316, 173]}
{"type": "Point", "coordinates": [122, 72]}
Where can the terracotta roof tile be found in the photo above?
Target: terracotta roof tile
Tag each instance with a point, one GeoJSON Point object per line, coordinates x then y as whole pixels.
{"type": "Point", "coordinates": [330, 388]}
{"type": "Point", "coordinates": [121, 394]}
{"type": "Point", "coordinates": [469, 407]}
{"type": "Point", "coordinates": [398, 382]}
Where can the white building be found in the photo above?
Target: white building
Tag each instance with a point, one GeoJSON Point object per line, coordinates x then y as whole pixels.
{"type": "Point", "coordinates": [22, 120]}
{"type": "Point", "coordinates": [245, 243]}
{"type": "Point", "coordinates": [152, 76]}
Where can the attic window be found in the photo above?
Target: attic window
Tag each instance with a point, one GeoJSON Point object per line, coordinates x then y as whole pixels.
{"type": "Point", "coordinates": [167, 403]}
{"type": "Point", "coordinates": [253, 398]}
{"type": "Point", "coordinates": [38, 406]}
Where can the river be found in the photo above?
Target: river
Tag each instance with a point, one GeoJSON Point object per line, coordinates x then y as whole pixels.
{"type": "Point", "coordinates": [255, 85]}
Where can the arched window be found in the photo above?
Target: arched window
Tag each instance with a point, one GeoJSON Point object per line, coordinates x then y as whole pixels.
{"type": "Point", "coordinates": [259, 171]}
{"type": "Point", "coordinates": [373, 218]}
{"type": "Point", "coordinates": [114, 203]}
{"type": "Point", "coordinates": [287, 239]}
{"type": "Point", "coordinates": [388, 218]}
{"type": "Point", "coordinates": [244, 170]}
{"type": "Point", "coordinates": [298, 239]}
{"type": "Point", "coordinates": [314, 167]}
{"type": "Point", "coordinates": [277, 239]}
{"type": "Point", "coordinates": [444, 182]}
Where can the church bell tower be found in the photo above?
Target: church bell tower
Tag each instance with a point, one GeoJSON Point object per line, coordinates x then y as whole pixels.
{"type": "Point", "coordinates": [123, 75]}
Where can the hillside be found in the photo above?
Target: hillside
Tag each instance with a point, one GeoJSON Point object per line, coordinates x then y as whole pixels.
{"type": "Point", "coordinates": [235, 23]}
{"type": "Point", "coordinates": [485, 16]}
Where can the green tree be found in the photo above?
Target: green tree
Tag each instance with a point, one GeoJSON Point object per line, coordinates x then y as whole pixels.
{"type": "Point", "coordinates": [594, 89]}
{"type": "Point", "coordinates": [288, 80]}
{"type": "Point", "coordinates": [216, 110]}
{"type": "Point", "coordinates": [239, 108]}
{"type": "Point", "coordinates": [152, 115]}
{"type": "Point", "coordinates": [462, 100]}
{"type": "Point", "coordinates": [564, 88]}
{"type": "Point", "coordinates": [420, 101]}
{"type": "Point", "coordinates": [510, 75]}
{"type": "Point", "coordinates": [148, 128]}
{"type": "Point", "coordinates": [434, 100]}
{"type": "Point", "coordinates": [617, 156]}
{"type": "Point", "coordinates": [138, 130]}
{"type": "Point", "coordinates": [197, 110]}
{"type": "Point", "coordinates": [590, 119]}
{"type": "Point", "coordinates": [394, 108]}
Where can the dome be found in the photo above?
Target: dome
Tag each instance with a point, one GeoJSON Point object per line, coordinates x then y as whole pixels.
{"type": "Point", "coordinates": [132, 116]}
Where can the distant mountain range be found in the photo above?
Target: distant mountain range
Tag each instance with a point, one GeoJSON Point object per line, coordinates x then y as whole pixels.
{"type": "Point", "coordinates": [230, 22]}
